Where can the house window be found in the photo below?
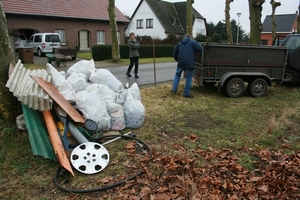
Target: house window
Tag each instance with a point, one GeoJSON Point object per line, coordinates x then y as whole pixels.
{"type": "Point", "coordinates": [100, 37]}
{"type": "Point", "coordinates": [61, 34]}
{"type": "Point", "coordinates": [264, 42]}
{"type": "Point", "coordinates": [149, 23]}
{"type": "Point", "coordinates": [139, 24]}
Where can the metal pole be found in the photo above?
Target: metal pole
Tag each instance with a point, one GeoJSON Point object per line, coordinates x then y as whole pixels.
{"type": "Point", "coordinates": [154, 67]}
{"type": "Point", "coordinates": [112, 140]}
{"type": "Point", "coordinates": [238, 28]}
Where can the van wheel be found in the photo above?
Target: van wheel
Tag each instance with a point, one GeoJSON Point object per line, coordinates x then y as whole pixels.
{"type": "Point", "coordinates": [39, 52]}
{"type": "Point", "coordinates": [235, 88]}
{"type": "Point", "coordinates": [73, 57]}
{"type": "Point", "coordinates": [257, 87]}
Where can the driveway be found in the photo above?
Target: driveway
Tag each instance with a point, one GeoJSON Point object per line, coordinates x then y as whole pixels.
{"type": "Point", "coordinates": [149, 73]}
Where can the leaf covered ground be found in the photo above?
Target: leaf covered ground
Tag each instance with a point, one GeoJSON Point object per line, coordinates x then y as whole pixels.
{"type": "Point", "coordinates": [209, 147]}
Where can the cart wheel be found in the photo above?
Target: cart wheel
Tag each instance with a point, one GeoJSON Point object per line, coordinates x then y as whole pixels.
{"type": "Point", "coordinates": [235, 88]}
{"type": "Point", "coordinates": [257, 87]}
{"type": "Point", "coordinates": [57, 63]}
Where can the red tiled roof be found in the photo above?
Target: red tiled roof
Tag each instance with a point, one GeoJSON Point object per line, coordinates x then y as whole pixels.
{"type": "Point", "coordinates": [82, 9]}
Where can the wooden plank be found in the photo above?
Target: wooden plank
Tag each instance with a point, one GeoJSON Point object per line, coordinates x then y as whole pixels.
{"type": "Point", "coordinates": [59, 99]}
{"type": "Point", "coordinates": [56, 142]}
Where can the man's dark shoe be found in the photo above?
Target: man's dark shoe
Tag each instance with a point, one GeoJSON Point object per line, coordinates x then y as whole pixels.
{"type": "Point", "coordinates": [127, 74]}
{"type": "Point", "coordinates": [136, 76]}
{"type": "Point", "coordinates": [173, 91]}
{"type": "Point", "coordinates": [188, 96]}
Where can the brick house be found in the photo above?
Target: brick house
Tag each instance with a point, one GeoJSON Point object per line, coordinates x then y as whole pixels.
{"type": "Point", "coordinates": [80, 23]}
{"type": "Point", "coordinates": [285, 24]}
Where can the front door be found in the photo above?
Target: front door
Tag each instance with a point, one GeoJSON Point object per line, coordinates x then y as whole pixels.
{"type": "Point", "coordinates": [83, 35]}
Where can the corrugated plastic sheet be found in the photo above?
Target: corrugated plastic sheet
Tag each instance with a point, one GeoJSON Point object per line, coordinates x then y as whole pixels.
{"type": "Point", "coordinates": [33, 100]}
{"type": "Point", "coordinates": [27, 90]}
{"type": "Point", "coordinates": [38, 134]}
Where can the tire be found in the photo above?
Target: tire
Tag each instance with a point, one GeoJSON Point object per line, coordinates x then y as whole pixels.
{"type": "Point", "coordinates": [73, 57]}
{"type": "Point", "coordinates": [208, 84]}
{"type": "Point", "coordinates": [257, 87]}
{"type": "Point", "coordinates": [235, 88]}
{"type": "Point", "coordinates": [57, 63]}
{"type": "Point", "coordinates": [39, 52]}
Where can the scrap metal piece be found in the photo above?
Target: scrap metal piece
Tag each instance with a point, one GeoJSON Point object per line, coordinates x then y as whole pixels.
{"type": "Point", "coordinates": [89, 158]}
{"type": "Point", "coordinates": [59, 99]}
{"type": "Point", "coordinates": [56, 142]}
{"type": "Point", "coordinates": [37, 133]}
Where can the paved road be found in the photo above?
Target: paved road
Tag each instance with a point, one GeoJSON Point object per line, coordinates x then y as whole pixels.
{"type": "Point", "coordinates": [148, 73]}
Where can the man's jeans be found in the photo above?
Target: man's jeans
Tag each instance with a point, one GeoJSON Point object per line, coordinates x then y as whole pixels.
{"type": "Point", "coordinates": [188, 81]}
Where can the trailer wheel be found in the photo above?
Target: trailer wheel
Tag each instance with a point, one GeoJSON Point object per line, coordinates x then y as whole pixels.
{"type": "Point", "coordinates": [257, 87]}
{"type": "Point", "coordinates": [235, 88]}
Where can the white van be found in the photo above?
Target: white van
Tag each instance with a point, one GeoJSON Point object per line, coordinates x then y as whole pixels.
{"type": "Point", "coordinates": [20, 40]}
{"type": "Point", "coordinates": [43, 42]}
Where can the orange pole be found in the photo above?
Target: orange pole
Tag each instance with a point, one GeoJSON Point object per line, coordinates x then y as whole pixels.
{"type": "Point", "coordinates": [56, 142]}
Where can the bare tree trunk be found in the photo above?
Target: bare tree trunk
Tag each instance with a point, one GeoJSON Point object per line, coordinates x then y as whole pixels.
{"type": "Point", "coordinates": [274, 6]}
{"type": "Point", "coordinates": [255, 9]}
{"type": "Point", "coordinates": [113, 29]}
{"type": "Point", "coordinates": [10, 107]}
{"type": "Point", "coordinates": [189, 17]}
{"type": "Point", "coordinates": [227, 20]}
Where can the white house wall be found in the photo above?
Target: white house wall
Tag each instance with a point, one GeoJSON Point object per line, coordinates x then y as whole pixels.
{"type": "Point", "coordinates": [199, 27]}
{"type": "Point", "coordinates": [144, 12]}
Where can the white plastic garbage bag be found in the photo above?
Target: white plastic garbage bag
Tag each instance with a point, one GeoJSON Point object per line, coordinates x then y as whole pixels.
{"type": "Point", "coordinates": [77, 81]}
{"type": "Point", "coordinates": [105, 77]}
{"type": "Point", "coordinates": [135, 91]}
{"type": "Point", "coordinates": [116, 113]}
{"type": "Point", "coordinates": [94, 109]}
{"type": "Point", "coordinates": [85, 67]}
{"type": "Point", "coordinates": [134, 112]}
{"type": "Point", "coordinates": [61, 84]}
{"type": "Point", "coordinates": [101, 92]}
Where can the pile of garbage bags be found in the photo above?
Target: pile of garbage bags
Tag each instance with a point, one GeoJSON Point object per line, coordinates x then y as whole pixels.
{"type": "Point", "coordinates": [99, 96]}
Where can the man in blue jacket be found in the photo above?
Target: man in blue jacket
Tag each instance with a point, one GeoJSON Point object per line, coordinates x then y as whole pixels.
{"type": "Point", "coordinates": [184, 54]}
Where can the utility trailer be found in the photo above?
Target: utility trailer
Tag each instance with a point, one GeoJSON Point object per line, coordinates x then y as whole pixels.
{"type": "Point", "coordinates": [231, 66]}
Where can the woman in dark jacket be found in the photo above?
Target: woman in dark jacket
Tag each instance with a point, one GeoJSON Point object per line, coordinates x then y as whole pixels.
{"type": "Point", "coordinates": [134, 55]}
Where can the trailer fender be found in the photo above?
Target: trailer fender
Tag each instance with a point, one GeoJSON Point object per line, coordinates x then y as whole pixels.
{"type": "Point", "coordinates": [245, 76]}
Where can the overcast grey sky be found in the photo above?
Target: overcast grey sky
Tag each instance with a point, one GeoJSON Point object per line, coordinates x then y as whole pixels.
{"type": "Point", "coordinates": [213, 10]}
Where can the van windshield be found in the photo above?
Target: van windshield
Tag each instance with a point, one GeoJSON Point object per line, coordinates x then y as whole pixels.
{"type": "Point", "coordinates": [52, 38]}
{"type": "Point", "coordinates": [22, 37]}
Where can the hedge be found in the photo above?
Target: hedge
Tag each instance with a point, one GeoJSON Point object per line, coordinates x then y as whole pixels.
{"type": "Point", "coordinates": [103, 52]}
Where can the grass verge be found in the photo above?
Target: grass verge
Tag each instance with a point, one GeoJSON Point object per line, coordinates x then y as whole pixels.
{"type": "Point", "coordinates": [198, 133]}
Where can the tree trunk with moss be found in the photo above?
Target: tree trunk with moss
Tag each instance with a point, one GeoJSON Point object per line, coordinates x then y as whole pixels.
{"type": "Point", "coordinates": [10, 107]}
{"type": "Point", "coordinates": [255, 9]}
{"type": "Point", "coordinates": [189, 17]}
{"type": "Point", "coordinates": [115, 54]}
{"type": "Point", "coordinates": [227, 21]}
{"type": "Point", "coordinates": [274, 6]}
